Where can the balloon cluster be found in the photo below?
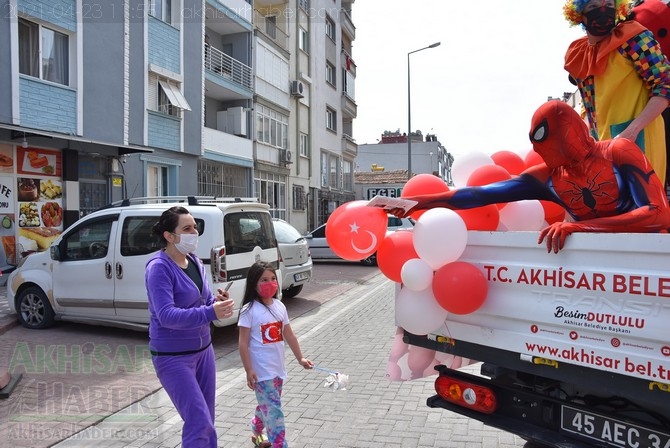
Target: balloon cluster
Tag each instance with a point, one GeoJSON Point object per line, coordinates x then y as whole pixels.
{"type": "Point", "coordinates": [425, 260]}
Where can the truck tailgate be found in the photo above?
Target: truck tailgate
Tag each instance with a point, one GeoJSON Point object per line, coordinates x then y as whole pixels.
{"type": "Point", "coordinates": [603, 302]}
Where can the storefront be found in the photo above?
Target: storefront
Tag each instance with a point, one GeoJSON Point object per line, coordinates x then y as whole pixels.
{"type": "Point", "coordinates": [31, 201]}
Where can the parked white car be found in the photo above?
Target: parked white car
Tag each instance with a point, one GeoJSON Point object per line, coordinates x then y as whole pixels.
{"type": "Point", "coordinates": [320, 249]}
{"type": "Point", "coordinates": [94, 271]}
{"type": "Point", "coordinates": [295, 261]}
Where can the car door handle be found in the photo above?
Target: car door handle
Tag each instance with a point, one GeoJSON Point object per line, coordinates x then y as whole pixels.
{"type": "Point", "coordinates": [108, 270]}
{"type": "Point", "coordinates": [119, 271]}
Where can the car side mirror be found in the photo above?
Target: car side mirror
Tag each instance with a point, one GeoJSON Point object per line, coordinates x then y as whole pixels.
{"type": "Point", "coordinates": [54, 251]}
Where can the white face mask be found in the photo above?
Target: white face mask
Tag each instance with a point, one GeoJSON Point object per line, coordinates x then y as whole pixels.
{"type": "Point", "coordinates": [188, 243]}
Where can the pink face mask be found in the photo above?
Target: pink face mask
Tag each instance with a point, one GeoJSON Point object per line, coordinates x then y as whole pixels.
{"type": "Point", "coordinates": [267, 290]}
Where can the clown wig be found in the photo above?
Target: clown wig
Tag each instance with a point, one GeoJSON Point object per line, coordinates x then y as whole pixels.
{"type": "Point", "coordinates": [572, 10]}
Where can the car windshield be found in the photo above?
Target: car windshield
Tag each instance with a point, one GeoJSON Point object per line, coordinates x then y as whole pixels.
{"type": "Point", "coordinates": [286, 233]}
{"type": "Point", "coordinates": [245, 230]}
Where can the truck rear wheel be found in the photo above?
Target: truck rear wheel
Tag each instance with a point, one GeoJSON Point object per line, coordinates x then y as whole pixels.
{"type": "Point", "coordinates": [33, 308]}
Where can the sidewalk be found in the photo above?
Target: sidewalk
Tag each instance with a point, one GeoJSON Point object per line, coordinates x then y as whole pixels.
{"type": "Point", "coordinates": [8, 318]}
{"type": "Point", "coordinates": [352, 335]}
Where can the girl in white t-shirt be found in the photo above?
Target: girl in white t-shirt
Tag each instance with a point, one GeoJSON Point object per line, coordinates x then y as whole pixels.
{"type": "Point", "coordinates": [263, 328]}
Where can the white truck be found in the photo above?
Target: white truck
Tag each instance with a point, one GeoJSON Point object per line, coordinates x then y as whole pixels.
{"type": "Point", "coordinates": [575, 346]}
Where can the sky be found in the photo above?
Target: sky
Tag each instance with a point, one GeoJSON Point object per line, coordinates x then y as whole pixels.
{"type": "Point", "coordinates": [498, 61]}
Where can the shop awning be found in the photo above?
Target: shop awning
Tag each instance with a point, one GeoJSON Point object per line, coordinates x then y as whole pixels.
{"type": "Point", "coordinates": [60, 141]}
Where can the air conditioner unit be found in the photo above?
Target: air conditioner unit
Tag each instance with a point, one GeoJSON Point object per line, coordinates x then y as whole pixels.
{"type": "Point", "coordinates": [286, 157]}
{"type": "Point", "coordinates": [297, 88]}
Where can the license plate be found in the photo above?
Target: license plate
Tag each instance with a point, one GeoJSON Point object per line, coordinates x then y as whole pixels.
{"type": "Point", "coordinates": [611, 431]}
{"type": "Point", "coordinates": [301, 276]}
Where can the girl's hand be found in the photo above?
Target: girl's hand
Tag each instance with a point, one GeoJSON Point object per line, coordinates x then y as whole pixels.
{"type": "Point", "coordinates": [306, 363]}
{"type": "Point", "coordinates": [251, 379]}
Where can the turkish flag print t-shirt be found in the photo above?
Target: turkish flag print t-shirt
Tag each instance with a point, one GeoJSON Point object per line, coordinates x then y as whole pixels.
{"type": "Point", "coordinates": [266, 340]}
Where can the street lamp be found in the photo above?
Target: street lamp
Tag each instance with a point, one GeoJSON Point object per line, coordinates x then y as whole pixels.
{"type": "Point", "coordinates": [409, 112]}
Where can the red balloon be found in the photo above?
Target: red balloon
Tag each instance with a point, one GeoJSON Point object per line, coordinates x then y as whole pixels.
{"type": "Point", "coordinates": [552, 212]}
{"type": "Point", "coordinates": [533, 158]}
{"type": "Point", "coordinates": [509, 160]}
{"type": "Point", "coordinates": [354, 231]}
{"type": "Point", "coordinates": [481, 218]}
{"type": "Point", "coordinates": [424, 184]}
{"type": "Point", "coordinates": [487, 174]}
{"type": "Point", "coordinates": [393, 253]}
{"type": "Point", "coordinates": [460, 287]}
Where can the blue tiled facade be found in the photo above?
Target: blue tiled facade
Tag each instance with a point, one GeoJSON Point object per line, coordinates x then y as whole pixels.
{"type": "Point", "coordinates": [62, 13]}
{"type": "Point", "coordinates": [47, 106]}
{"type": "Point", "coordinates": [164, 48]}
{"type": "Point", "coordinates": [164, 131]}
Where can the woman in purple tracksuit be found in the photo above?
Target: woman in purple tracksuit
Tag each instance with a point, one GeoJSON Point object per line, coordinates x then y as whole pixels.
{"type": "Point", "coordinates": [182, 306]}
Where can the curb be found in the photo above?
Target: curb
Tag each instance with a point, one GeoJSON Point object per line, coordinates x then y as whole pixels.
{"type": "Point", "coordinates": [7, 322]}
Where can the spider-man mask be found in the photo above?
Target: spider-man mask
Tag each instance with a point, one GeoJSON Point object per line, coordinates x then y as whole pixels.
{"type": "Point", "coordinates": [559, 135]}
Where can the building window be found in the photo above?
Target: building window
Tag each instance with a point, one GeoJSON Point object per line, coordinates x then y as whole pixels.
{"type": "Point", "coordinates": [157, 180]}
{"type": "Point", "coordinates": [331, 119]}
{"type": "Point", "coordinates": [333, 171]}
{"type": "Point", "coordinates": [271, 190]}
{"type": "Point", "coordinates": [330, 28]}
{"type": "Point", "coordinates": [271, 26]}
{"type": "Point", "coordinates": [330, 170]}
{"type": "Point", "coordinates": [271, 127]}
{"type": "Point", "coordinates": [349, 84]}
{"type": "Point", "coordinates": [330, 74]}
{"type": "Point", "coordinates": [304, 145]}
{"type": "Point", "coordinates": [222, 180]}
{"type": "Point", "coordinates": [303, 40]}
{"type": "Point", "coordinates": [165, 97]}
{"type": "Point", "coordinates": [299, 198]}
{"type": "Point", "coordinates": [347, 176]}
{"type": "Point", "coordinates": [44, 53]}
{"type": "Point", "coordinates": [161, 9]}
{"type": "Point", "coordinates": [304, 4]}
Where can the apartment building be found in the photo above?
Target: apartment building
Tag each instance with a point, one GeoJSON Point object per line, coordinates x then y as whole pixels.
{"type": "Point", "coordinates": [305, 106]}
{"type": "Point", "coordinates": [101, 101]}
{"type": "Point", "coordinates": [390, 154]}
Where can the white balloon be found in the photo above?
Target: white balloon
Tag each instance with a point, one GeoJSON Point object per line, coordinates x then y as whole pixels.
{"type": "Point", "coordinates": [418, 312]}
{"type": "Point", "coordinates": [463, 166]}
{"type": "Point", "coordinates": [440, 237]}
{"type": "Point", "coordinates": [416, 274]}
{"type": "Point", "coordinates": [522, 215]}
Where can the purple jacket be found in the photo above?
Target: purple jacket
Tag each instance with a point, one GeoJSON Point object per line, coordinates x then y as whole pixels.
{"type": "Point", "coordinates": [180, 316]}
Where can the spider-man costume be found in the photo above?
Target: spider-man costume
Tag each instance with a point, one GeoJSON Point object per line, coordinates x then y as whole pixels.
{"type": "Point", "coordinates": [606, 186]}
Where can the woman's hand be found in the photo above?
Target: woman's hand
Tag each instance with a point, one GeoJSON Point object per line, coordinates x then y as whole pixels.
{"type": "Point", "coordinates": [224, 307]}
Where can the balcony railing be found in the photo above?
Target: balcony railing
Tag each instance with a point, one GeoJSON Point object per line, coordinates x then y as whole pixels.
{"type": "Point", "coordinates": [347, 24]}
{"type": "Point", "coordinates": [349, 146]}
{"type": "Point", "coordinates": [221, 64]}
{"type": "Point", "coordinates": [269, 28]}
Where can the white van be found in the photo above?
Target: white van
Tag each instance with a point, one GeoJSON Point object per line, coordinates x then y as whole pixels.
{"type": "Point", "coordinates": [94, 271]}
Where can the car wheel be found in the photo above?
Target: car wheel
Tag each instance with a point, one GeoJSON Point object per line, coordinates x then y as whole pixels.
{"type": "Point", "coordinates": [370, 261]}
{"type": "Point", "coordinates": [34, 309]}
{"type": "Point", "coordinates": [291, 292]}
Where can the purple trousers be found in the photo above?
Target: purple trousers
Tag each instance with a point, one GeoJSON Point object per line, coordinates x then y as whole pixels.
{"type": "Point", "coordinates": [190, 382]}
